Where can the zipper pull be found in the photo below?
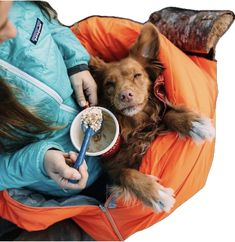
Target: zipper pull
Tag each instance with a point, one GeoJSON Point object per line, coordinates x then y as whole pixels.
{"type": "Point", "coordinates": [103, 208]}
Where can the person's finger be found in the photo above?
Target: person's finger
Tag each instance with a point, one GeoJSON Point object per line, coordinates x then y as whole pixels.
{"type": "Point", "coordinates": [69, 162]}
{"type": "Point", "coordinates": [67, 158]}
{"type": "Point", "coordinates": [90, 90]}
{"type": "Point", "coordinates": [81, 184]}
{"type": "Point", "coordinates": [92, 97]}
{"type": "Point", "coordinates": [84, 174]}
{"type": "Point", "coordinates": [73, 155]}
{"type": "Point", "coordinates": [83, 167]}
{"type": "Point", "coordinates": [79, 93]}
{"type": "Point", "coordinates": [66, 155]}
{"type": "Point", "coordinates": [66, 184]}
{"type": "Point", "coordinates": [83, 171]}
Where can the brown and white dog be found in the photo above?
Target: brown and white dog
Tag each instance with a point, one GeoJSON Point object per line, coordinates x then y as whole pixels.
{"type": "Point", "coordinates": [126, 88]}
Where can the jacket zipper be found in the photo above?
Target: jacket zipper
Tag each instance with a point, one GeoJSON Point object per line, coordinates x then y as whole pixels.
{"type": "Point", "coordinates": [59, 100]}
{"type": "Point", "coordinates": [36, 82]}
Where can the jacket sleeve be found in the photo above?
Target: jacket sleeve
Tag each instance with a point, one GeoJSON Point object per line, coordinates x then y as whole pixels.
{"type": "Point", "coordinates": [25, 166]}
{"type": "Point", "coordinates": [75, 55]}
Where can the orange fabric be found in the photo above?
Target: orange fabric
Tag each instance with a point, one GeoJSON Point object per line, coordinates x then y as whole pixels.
{"type": "Point", "coordinates": [179, 163]}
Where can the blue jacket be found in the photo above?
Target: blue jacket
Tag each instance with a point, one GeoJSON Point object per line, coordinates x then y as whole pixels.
{"type": "Point", "coordinates": [38, 62]}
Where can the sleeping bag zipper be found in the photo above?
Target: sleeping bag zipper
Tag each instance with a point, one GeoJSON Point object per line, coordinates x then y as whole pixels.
{"type": "Point", "coordinates": [10, 196]}
{"type": "Point", "coordinates": [111, 221]}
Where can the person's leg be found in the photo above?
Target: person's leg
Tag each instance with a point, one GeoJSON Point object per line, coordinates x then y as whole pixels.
{"type": "Point", "coordinates": [8, 230]}
{"type": "Point", "coordinates": [66, 230]}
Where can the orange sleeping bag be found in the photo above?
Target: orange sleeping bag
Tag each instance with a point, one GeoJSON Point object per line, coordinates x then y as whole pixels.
{"type": "Point", "coordinates": [179, 163]}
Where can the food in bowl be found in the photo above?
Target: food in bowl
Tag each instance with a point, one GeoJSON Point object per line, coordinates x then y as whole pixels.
{"type": "Point", "coordinates": [93, 118]}
{"type": "Point", "coordinates": [104, 140]}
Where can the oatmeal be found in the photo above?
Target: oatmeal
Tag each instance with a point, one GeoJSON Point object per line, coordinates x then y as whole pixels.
{"type": "Point", "coordinates": [92, 118]}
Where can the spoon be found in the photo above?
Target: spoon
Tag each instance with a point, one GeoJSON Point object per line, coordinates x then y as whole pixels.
{"type": "Point", "coordinates": [91, 124]}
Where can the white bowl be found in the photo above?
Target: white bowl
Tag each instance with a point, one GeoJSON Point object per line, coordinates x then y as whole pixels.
{"type": "Point", "coordinates": [104, 142]}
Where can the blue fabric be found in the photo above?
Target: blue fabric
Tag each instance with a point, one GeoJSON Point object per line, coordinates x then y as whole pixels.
{"type": "Point", "coordinates": [44, 51]}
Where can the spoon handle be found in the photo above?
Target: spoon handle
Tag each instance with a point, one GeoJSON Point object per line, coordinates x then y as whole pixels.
{"type": "Point", "coordinates": [82, 152]}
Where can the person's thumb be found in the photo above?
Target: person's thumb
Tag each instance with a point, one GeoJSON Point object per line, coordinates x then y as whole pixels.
{"type": "Point", "coordinates": [68, 172]}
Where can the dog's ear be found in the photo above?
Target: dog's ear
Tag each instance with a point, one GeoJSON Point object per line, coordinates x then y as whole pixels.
{"type": "Point", "coordinates": [98, 68]}
{"type": "Point", "coordinates": [97, 65]}
{"type": "Point", "coordinates": [147, 44]}
{"type": "Point", "coordinates": [146, 49]}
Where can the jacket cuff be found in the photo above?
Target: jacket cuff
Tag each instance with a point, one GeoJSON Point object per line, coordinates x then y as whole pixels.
{"type": "Point", "coordinates": [40, 159]}
{"type": "Point", "coordinates": [78, 68]}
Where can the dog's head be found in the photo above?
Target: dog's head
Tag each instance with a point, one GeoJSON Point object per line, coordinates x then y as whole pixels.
{"type": "Point", "coordinates": [125, 84]}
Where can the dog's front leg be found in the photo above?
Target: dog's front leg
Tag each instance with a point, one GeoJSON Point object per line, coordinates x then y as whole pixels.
{"type": "Point", "coordinates": [188, 123]}
{"type": "Point", "coordinates": [131, 184]}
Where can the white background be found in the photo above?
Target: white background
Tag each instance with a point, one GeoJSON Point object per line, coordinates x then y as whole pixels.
{"type": "Point", "coordinates": [210, 214]}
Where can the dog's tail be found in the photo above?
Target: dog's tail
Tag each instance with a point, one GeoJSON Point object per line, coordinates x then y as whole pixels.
{"type": "Point", "coordinates": [133, 184]}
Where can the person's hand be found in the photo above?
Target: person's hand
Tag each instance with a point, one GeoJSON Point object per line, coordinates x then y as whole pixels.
{"type": "Point", "coordinates": [84, 87]}
{"type": "Point", "coordinates": [57, 169]}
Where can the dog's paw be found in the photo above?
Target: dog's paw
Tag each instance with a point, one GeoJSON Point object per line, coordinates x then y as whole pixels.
{"type": "Point", "coordinates": [158, 197]}
{"type": "Point", "coordinates": [147, 190]}
{"type": "Point", "coordinates": [165, 200]}
{"type": "Point", "coordinates": [202, 129]}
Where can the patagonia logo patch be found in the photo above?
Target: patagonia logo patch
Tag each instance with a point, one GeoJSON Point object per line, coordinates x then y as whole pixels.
{"type": "Point", "coordinates": [37, 31]}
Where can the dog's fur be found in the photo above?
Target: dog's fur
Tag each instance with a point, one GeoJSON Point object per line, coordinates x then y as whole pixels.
{"type": "Point", "coordinates": [126, 88]}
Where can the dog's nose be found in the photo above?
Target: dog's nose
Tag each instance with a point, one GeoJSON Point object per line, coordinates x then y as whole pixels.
{"type": "Point", "coordinates": [126, 95]}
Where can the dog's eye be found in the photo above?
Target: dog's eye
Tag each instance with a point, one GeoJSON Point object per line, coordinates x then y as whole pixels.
{"type": "Point", "coordinates": [137, 75]}
{"type": "Point", "coordinates": [109, 86]}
